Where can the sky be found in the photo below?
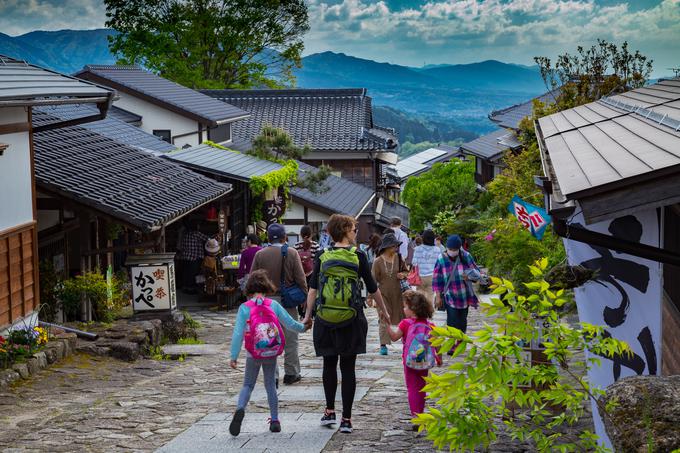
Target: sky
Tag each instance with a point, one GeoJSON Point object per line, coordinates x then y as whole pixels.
{"type": "Point", "coordinates": [418, 32]}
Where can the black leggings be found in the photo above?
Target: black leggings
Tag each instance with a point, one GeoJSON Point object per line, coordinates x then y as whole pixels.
{"type": "Point", "coordinates": [349, 381]}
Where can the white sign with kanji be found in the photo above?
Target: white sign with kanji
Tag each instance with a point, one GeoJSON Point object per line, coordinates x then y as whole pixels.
{"type": "Point", "coordinates": [153, 287]}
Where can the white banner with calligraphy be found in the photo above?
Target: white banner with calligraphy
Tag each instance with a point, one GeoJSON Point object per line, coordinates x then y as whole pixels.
{"type": "Point", "coordinates": [624, 297]}
{"type": "Point", "coordinates": [153, 287]}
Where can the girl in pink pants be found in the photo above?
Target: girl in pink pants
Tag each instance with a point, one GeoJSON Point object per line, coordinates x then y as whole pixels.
{"type": "Point", "coordinates": [417, 310]}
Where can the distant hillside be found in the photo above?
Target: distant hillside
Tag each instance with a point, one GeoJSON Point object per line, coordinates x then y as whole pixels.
{"type": "Point", "coordinates": [488, 75]}
{"type": "Point", "coordinates": [446, 100]}
{"type": "Point", "coordinates": [65, 51]}
{"type": "Point", "coordinates": [413, 129]}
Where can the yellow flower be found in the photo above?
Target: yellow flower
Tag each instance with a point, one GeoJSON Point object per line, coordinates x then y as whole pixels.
{"type": "Point", "coordinates": [42, 335]}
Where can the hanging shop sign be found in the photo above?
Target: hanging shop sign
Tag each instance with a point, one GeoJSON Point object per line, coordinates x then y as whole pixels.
{"type": "Point", "coordinates": [532, 218]}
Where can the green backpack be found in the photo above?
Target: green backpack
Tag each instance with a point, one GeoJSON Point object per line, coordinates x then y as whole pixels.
{"type": "Point", "coordinates": [339, 294]}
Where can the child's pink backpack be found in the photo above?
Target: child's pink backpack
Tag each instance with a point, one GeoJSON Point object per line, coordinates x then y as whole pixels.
{"type": "Point", "coordinates": [264, 336]}
{"type": "Point", "coordinates": [418, 352]}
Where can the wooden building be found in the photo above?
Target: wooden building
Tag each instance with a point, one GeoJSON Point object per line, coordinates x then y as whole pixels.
{"type": "Point", "coordinates": [612, 176]}
{"type": "Point", "coordinates": [488, 151]}
{"type": "Point", "coordinates": [177, 114]}
{"type": "Point", "coordinates": [304, 208]}
{"type": "Point", "coordinates": [23, 87]}
{"type": "Point", "coordinates": [337, 124]}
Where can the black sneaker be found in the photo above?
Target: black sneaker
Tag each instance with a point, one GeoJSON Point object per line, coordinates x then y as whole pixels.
{"type": "Point", "coordinates": [346, 426]}
{"type": "Point", "coordinates": [291, 379]}
{"type": "Point", "coordinates": [277, 383]}
{"type": "Point", "coordinates": [275, 426]}
{"type": "Point", "coordinates": [328, 419]}
{"type": "Point", "coordinates": [235, 425]}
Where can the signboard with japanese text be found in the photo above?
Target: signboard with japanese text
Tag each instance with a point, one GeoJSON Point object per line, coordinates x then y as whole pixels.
{"type": "Point", "coordinates": [532, 217]}
{"type": "Point", "coordinates": [624, 297]}
{"type": "Point", "coordinates": [273, 209]}
{"type": "Point", "coordinates": [153, 287]}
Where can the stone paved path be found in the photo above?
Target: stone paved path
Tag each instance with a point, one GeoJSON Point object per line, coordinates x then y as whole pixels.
{"type": "Point", "coordinates": [100, 404]}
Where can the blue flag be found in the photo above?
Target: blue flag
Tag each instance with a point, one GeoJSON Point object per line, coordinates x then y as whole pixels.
{"type": "Point", "coordinates": [531, 217]}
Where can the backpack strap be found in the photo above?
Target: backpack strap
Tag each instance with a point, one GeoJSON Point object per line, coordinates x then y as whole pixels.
{"type": "Point", "coordinates": [284, 254]}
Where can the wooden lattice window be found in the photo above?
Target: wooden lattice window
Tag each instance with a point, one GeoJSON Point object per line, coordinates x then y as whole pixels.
{"type": "Point", "coordinates": [18, 287]}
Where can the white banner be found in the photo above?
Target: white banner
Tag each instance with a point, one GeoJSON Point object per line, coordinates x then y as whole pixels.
{"type": "Point", "coordinates": [625, 298]}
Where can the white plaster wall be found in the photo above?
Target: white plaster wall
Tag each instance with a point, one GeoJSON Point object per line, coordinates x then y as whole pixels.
{"type": "Point", "coordinates": [294, 211]}
{"type": "Point", "coordinates": [316, 216]}
{"type": "Point", "coordinates": [155, 117]}
{"type": "Point", "coordinates": [16, 191]}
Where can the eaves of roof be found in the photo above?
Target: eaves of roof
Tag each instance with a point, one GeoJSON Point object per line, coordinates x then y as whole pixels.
{"type": "Point", "coordinates": [173, 102]}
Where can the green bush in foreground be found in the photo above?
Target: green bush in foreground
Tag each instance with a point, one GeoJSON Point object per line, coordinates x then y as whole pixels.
{"type": "Point", "coordinates": [491, 386]}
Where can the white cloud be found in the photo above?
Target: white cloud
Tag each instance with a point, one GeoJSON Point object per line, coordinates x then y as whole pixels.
{"type": "Point", "coordinates": [21, 16]}
{"type": "Point", "coordinates": [470, 30]}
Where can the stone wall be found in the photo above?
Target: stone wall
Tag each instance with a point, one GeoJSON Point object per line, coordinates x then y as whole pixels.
{"type": "Point", "coordinates": [647, 415]}
{"type": "Point", "coordinates": [60, 345]}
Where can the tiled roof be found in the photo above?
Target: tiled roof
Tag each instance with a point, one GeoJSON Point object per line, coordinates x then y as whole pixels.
{"type": "Point", "coordinates": [134, 187]}
{"type": "Point", "coordinates": [326, 120]}
{"type": "Point", "coordinates": [634, 137]}
{"type": "Point", "coordinates": [227, 163]}
{"type": "Point", "coordinates": [510, 117]}
{"type": "Point", "coordinates": [490, 146]}
{"type": "Point", "coordinates": [26, 84]}
{"type": "Point", "coordinates": [124, 115]}
{"type": "Point", "coordinates": [343, 196]}
{"type": "Point", "coordinates": [167, 94]}
{"type": "Point", "coordinates": [424, 160]}
{"type": "Point", "coordinates": [109, 127]}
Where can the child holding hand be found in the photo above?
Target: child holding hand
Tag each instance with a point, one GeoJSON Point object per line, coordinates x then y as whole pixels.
{"type": "Point", "coordinates": [418, 355]}
{"type": "Point", "coordinates": [259, 322]}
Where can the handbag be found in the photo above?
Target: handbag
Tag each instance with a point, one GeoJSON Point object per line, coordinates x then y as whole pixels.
{"type": "Point", "coordinates": [414, 276]}
{"type": "Point", "coordinates": [291, 295]}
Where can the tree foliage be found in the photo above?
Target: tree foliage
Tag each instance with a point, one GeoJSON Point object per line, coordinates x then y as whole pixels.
{"type": "Point", "coordinates": [276, 145]}
{"type": "Point", "coordinates": [446, 186]}
{"type": "Point", "coordinates": [211, 43]}
{"type": "Point", "coordinates": [592, 73]}
{"type": "Point", "coordinates": [492, 386]}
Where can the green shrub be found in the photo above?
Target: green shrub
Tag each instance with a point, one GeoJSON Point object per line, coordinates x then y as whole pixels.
{"type": "Point", "coordinates": [491, 386]}
{"type": "Point", "coordinates": [508, 250]}
{"type": "Point", "coordinates": [93, 286]}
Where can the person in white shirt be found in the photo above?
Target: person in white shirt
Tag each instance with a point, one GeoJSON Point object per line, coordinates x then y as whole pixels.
{"type": "Point", "coordinates": [395, 225]}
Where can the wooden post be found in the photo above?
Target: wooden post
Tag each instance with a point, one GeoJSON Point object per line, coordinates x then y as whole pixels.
{"type": "Point", "coordinates": [85, 261]}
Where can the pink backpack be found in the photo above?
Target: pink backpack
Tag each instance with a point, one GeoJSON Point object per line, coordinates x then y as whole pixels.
{"type": "Point", "coordinates": [264, 337]}
{"type": "Point", "coordinates": [418, 352]}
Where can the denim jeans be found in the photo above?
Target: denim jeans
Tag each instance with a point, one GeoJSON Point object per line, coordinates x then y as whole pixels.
{"type": "Point", "coordinates": [252, 370]}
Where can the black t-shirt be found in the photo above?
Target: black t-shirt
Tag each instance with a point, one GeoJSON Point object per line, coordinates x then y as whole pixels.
{"type": "Point", "coordinates": [364, 272]}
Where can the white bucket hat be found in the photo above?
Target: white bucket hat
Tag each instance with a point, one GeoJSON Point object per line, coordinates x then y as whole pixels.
{"type": "Point", "coordinates": [212, 246]}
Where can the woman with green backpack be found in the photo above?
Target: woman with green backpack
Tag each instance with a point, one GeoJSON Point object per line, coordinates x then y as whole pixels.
{"type": "Point", "coordinates": [341, 327]}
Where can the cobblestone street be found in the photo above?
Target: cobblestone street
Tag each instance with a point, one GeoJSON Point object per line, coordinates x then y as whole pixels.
{"type": "Point", "coordinates": [102, 404]}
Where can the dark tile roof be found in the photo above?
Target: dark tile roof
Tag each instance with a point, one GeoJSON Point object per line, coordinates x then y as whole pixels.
{"type": "Point", "coordinates": [490, 146]}
{"type": "Point", "coordinates": [343, 197]}
{"type": "Point", "coordinates": [108, 127]}
{"type": "Point", "coordinates": [326, 120]}
{"type": "Point", "coordinates": [25, 84]}
{"type": "Point", "coordinates": [163, 92]}
{"type": "Point", "coordinates": [424, 160]}
{"type": "Point", "coordinates": [125, 116]}
{"type": "Point", "coordinates": [634, 136]}
{"type": "Point", "coordinates": [134, 187]}
{"type": "Point", "coordinates": [510, 117]}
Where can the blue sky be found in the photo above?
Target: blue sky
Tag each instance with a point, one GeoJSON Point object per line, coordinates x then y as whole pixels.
{"type": "Point", "coordinates": [417, 32]}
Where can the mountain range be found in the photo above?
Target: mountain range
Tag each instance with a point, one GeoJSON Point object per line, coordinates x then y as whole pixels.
{"type": "Point", "coordinates": [434, 103]}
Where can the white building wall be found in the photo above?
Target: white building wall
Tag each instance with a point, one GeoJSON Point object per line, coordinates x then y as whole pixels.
{"type": "Point", "coordinates": [155, 117]}
{"type": "Point", "coordinates": [16, 191]}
